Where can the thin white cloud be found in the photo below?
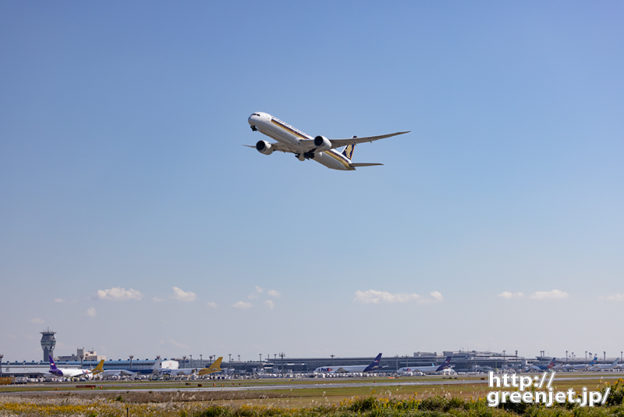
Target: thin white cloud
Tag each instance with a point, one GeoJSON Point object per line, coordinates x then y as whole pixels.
{"type": "Point", "coordinates": [211, 304]}
{"type": "Point", "coordinates": [615, 297]}
{"type": "Point", "coordinates": [174, 343]}
{"type": "Point", "coordinates": [91, 312]}
{"type": "Point", "coordinates": [549, 295]}
{"type": "Point", "coordinates": [436, 295]}
{"type": "Point", "coordinates": [508, 295]}
{"type": "Point", "coordinates": [259, 290]}
{"type": "Point", "coordinates": [158, 299]}
{"type": "Point", "coordinates": [270, 304]}
{"type": "Point", "coordinates": [273, 293]}
{"type": "Point", "coordinates": [36, 320]}
{"type": "Point", "coordinates": [119, 294]}
{"type": "Point", "coordinates": [242, 305]}
{"type": "Point", "coordinates": [385, 297]}
{"type": "Point", "coordinates": [184, 296]}
{"type": "Point", "coordinates": [59, 300]}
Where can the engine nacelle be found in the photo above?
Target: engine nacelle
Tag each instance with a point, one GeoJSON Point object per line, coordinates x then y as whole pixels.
{"type": "Point", "coordinates": [264, 147]}
{"type": "Point", "coordinates": [322, 143]}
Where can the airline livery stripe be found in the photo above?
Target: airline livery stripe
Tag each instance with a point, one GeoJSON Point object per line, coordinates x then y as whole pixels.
{"type": "Point", "coordinates": [288, 128]}
{"type": "Point", "coordinates": [338, 158]}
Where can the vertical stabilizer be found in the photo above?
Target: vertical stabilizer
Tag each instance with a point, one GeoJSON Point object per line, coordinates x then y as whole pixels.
{"type": "Point", "coordinates": [52, 364]}
{"type": "Point", "coordinates": [348, 150]}
{"type": "Point", "coordinates": [374, 364]}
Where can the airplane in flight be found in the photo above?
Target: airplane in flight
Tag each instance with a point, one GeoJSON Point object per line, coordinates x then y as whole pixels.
{"type": "Point", "coordinates": [304, 146]}
{"type": "Point", "coordinates": [333, 369]}
{"type": "Point", "coordinates": [73, 372]}
{"type": "Point", "coordinates": [427, 369]}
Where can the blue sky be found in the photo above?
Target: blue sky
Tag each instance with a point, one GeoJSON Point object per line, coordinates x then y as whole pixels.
{"type": "Point", "coordinates": [122, 176]}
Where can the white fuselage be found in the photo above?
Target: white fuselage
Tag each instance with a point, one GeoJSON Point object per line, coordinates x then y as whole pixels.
{"type": "Point", "coordinates": [284, 133]}
{"type": "Point", "coordinates": [340, 369]}
{"type": "Point", "coordinates": [71, 373]}
{"type": "Point", "coordinates": [414, 370]}
{"type": "Point", "coordinates": [116, 373]}
{"type": "Point", "coordinates": [178, 372]}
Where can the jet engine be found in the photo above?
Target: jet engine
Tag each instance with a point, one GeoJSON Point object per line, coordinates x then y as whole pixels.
{"type": "Point", "coordinates": [264, 147]}
{"type": "Point", "coordinates": [322, 144]}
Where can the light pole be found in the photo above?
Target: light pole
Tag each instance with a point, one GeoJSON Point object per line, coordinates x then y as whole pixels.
{"type": "Point", "coordinates": [131, 357]}
{"type": "Point", "coordinates": [229, 357]}
{"type": "Point", "coordinates": [260, 356]}
{"type": "Point", "coordinates": [1, 356]}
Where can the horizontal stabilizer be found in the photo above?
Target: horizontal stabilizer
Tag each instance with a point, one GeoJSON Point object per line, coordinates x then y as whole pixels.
{"type": "Point", "coordinates": [364, 164]}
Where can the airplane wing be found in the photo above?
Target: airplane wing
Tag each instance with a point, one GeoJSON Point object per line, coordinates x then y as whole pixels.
{"type": "Point", "coordinates": [308, 145]}
{"type": "Point", "coordinates": [337, 143]}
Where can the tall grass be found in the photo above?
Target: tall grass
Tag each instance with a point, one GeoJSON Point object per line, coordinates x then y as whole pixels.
{"type": "Point", "coordinates": [437, 406]}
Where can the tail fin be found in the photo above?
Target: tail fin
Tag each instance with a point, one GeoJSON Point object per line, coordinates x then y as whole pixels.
{"type": "Point", "coordinates": [213, 368]}
{"type": "Point", "coordinates": [99, 368]}
{"type": "Point", "coordinates": [445, 365]}
{"type": "Point", "coordinates": [52, 364]}
{"type": "Point", "coordinates": [552, 363]}
{"type": "Point", "coordinates": [374, 364]}
{"type": "Point", "coordinates": [348, 150]}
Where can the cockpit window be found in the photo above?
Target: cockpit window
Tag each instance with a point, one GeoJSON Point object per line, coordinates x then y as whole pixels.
{"type": "Point", "coordinates": [256, 114]}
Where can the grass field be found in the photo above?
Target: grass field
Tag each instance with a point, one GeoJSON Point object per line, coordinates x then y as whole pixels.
{"type": "Point", "coordinates": [302, 399]}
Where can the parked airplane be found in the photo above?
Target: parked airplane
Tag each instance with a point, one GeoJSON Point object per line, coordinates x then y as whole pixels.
{"type": "Point", "coordinates": [331, 369]}
{"type": "Point", "coordinates": [304, 146]}
{"type": "Point", "coordinates": [605, 366]}
{"type": "Point", "coordinates": [581, 366]}
{"type": "Point", "coordinates": [109, 373]}
{"type": "Point", "coordinates": [427, 369]}
{"type": "Point", "coordinates": [541, 367]}
{"type": "Point", "coordinates": [73, 372]}
{"type": "Point", "coordinates": [213, 368]}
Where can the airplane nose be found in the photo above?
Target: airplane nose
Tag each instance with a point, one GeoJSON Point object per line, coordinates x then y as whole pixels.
{"type": "Point", "coordinates": [253, 120]}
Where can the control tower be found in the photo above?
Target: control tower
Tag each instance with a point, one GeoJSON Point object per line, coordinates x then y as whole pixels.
{"type": "Point", "coordinates": [47, 344]}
